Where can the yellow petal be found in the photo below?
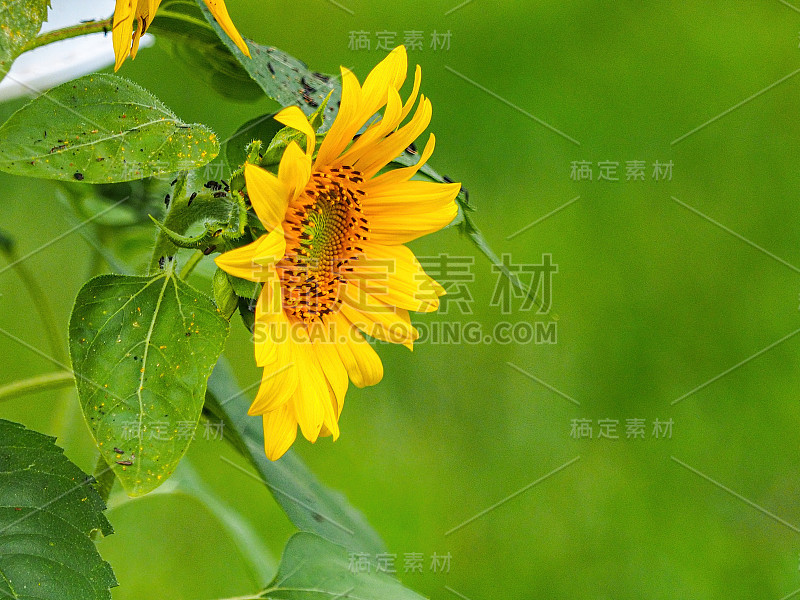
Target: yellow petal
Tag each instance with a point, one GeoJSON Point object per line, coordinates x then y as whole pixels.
{"type": "Point", "coordinates": [270, 300]}
{"type": "Point", "coordinates": [251, 262]}
{"type": "Point", "coordinates": [312, 397]}
{"type": "Point", "coordinates": [410, 197]}
{"type": "Point", "coordinates": [123, 30]}
{"type": "Point", "coordinates": [393, 275]}
{"type": "Point", "coordinates": [401, 175]}
{"type": "Point", "coordinates": [334, 371]}
{"type": "Point", "coordinates": [274, 336]}
{"type": "Point", "coordinates": [362, 363]}
{"type": "Point", "coordinates": [294, 170]}
{"type": "Point", "coordinates": [403, 212]}
{"type": "Point", "coordinates": [137, 36]}
{"type": "Point", "coordinates": [278, 384]}
{"type": "Point", "coordinates": [347, 121]}
{"type": "Point", "coordinates": [413, 97]}
{"type": "Point", "coordinates": [293, 117]}
{"type": "Point", "coordinates": [376, 318]}
{"type": "Point", "coordinates": [376, 132]}
{"type": "Point", "coordinates": [392, 146]}
{"type": "Point", "coordinates": [220, 12]}
{"type": "Point", "coordinates": [388, 74]}
{"type": "Point", "coordinates": [280, 431]}
{"type": "Point", "coordinates": [268, 195]}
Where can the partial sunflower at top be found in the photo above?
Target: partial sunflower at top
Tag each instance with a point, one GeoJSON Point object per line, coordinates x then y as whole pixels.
{"type": "Point", "coordinates": [133, 17]}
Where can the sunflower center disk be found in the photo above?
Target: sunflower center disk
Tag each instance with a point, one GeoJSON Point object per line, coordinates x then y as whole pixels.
{"type": "Point", "coordinates": [325, 226]}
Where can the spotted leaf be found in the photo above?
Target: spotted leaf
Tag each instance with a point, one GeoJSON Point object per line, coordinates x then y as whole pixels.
{"type": "Point", "coordinates": [101, 129]}
{"type": "Point", "coordinates": [142, 349]}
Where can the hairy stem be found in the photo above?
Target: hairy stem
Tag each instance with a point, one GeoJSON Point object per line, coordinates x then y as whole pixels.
{"type": "Point", "coordinates": [70, 32]}
{"type": "Point", "coordinates": [193, 261]}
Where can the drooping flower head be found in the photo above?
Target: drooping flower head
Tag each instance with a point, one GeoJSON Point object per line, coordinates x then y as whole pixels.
{"type": "Point", "coordinates": [133, 17]}
{"type": "Point", "coordinates": [333, 262]}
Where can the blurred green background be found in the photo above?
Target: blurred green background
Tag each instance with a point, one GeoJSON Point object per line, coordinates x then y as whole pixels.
{"type": "Point", "coordinates": [652, 300]}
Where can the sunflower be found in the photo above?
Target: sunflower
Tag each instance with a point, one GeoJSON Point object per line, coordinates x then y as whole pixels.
{"type": "Point", "coordinates": [141, 12]}
{"type": "Point", "coordinates": [332, 262]}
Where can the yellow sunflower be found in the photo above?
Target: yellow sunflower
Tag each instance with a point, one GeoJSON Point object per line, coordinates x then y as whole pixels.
{"type": "Point", "coordinates": [333, 262]}
{"type": "Point", "coordinates": [141, 12]}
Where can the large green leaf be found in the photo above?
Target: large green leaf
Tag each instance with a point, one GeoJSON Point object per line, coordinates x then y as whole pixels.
{"type": "Point", "coordinates": [191, 39]}
{"type": "Point", "coordinates": [315, 569]}
{"type": "Point", "coordinates": [308, 503]}
{"type": "Point", "coordinates": [284, 78]}
{"type": "Point", "coordinates": [142, 349]}
{"type": "Point", "coordinates": [20, 21]}
{"type": "Point", "coordinates": [48, 509]}
{"type": "Point", "coordinates": [101, 129]}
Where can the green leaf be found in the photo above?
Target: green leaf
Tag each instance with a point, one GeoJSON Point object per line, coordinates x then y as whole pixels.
{"type": "Point", "coordinates": [192, 40]}
{"type": "Point", "coordinates": [20, 21]}
{"type": "Point", "coordinates": [315, 569]}
{"type": "Point", "coordinates": [101, 129]}
{"type": "Point", "coordinates": [284, 78]}
{"type": "Point", "coordinates": [308, 503]}
{"type": "Point", "coordinates": [142, 349]}
{"type": "Point", "coordinates": [48, 509]}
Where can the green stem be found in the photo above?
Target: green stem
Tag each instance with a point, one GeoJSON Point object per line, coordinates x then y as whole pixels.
{"type": "Point", "coordinates": [42, 305]}
{"type": "Point", "coordinates": [193, 261]}
{"type": "Point", "coordinates": [70, 32]}
{"type": "Point", "coordinates": [39, 383]}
